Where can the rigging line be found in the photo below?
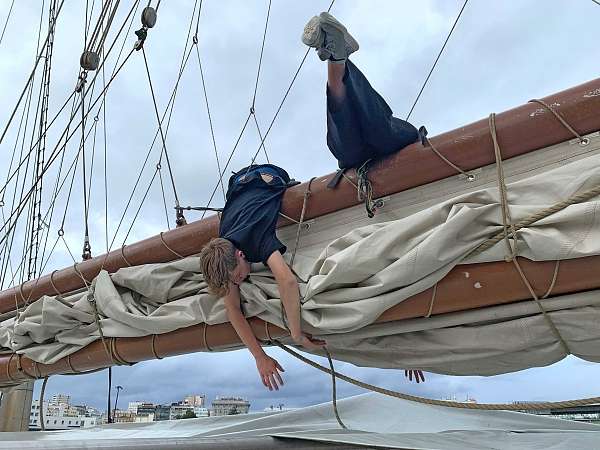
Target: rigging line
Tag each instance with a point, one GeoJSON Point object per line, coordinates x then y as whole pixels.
{"type": "Point", "coordinates": [596, 2]}
{"type": "Point", "coordinates": [86, 26]}
{"type": "Point", "coordinates": [105, 161]}
{"type": "Point", "coordinates": [57, 188]}
{"type": "Point", "coordinates": [91, 173]}
{"type": "Point", "coordinates": [89, 45]}
{"type": "Point", "coordinates": [262, 48]}
{"type": "Point", "coordinates": [162, 135]}
{"type": "Point", "coordinates": [436, 60]}
{"type": "Point", "coordinates": [170, 104]}
{"type": "Point", "coordinates": [260, 136]}
{"type": "Point", "coordinates": [162, 189]}
{"type": "Point", "coordinates": [54, 154]}
{"type": "Point", "coordinates": [23, 138]}
{"type": "Point", "coordinates": [22, 161]}
{"type": "Point", "coordinates": [285, 95]}
{"type": "Point", "coordinates": [227, 163]}
{"type": "Point", "coordinates": [114, 73]}
{"type": "Point", "coordinates": [108, 24]}
{"type": "Point", "coordinates": [74, 165]}
{"type": "Point", "coordinates": [198, 19]}
{"type": "Point", "coordinates": [83, 171]}
{"type": "Point", "coordinates": [141, 204]}
{"type": "Point", "coordinates": [212, 131]}
{"type": "Point", "coordinates": [30, 79]}
{"type": "Point", "coordinates": [7, 247]}
{"type": "Point", "coordinates": [43, 124]}
{"type": "Point", "coordinates": [7, 19]}
{"type": "Point", "coordinates": [280, 105]}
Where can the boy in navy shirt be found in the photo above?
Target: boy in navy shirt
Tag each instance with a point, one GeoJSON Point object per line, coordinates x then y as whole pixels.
{"type": "Point", "coordinates": [360, 127]}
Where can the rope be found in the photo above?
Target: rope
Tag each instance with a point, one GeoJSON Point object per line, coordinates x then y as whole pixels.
{"type": "Point", "coordinates": [115, 354]}
{"type": "Point", "coordinates": [582, 140]}
{"type": "Point", "coordinates": [153, 347]}
{"type": "Point", "coordinates": [507, 225]}
{"type": "Point", "coordinates": [430, 310]}
{"type": "Point", "coordinates": [205, 338]}
{"type": "Point", "coordinates": [92, 300]}
{"type": "Point", "coordinates": [364, 189]}
{"type": "Point", "coordinates": [42, 391]}
{"type": "Point", "coordinates": [162, 239]}
{"type": "Point", "coordinates": [517, 406]}
{"type": "Point", "coordinates": [469, 176]}
{"type": "Point", "coordinates": [334, 390]}
{"type": "Point", "coordinates": [301, 221]}
{"type": "Point", "coordinates": [7, 19]}
{"type": "Point", "coordinates": [123, 255]}
{"type": "Point", "coordinates": [162, 134]}
{"type": "Point", "coordinates": [553, 282]}
{"type": "Point", "coordinates": [73, 370]}
{"type": "Point", "coordinates": [52, 283]}
{"type": "Point", "coordinates": [8, 375]}
{"type": "Point", "coordinates": [528, 221]}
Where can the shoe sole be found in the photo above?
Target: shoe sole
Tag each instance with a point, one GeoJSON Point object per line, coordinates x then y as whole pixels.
{"type": "Point", "coordinates": [328, 19]}
{"type": "Point", "coordinates": [312, 32]}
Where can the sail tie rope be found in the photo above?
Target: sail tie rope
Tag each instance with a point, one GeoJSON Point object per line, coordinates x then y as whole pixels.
{"type": "Point", "coordinates": [205, 338]}
{"type": "Point", "coordinates": [123, 255]}
{"type": "Point", "coordinates": [431, 303]}
{"type": "Point", "coordinates": [561, 119]}
{"type": "Point", "coordinates": [509, 227]}
{"type": "Point", "coordinates": [162, 239]}
{"type": "Point", "coordinates": [153, 347]}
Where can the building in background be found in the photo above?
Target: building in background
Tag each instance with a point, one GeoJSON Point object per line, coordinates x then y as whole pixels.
{"type": "Point", "coordinates": [225, 406]}
{"type": "Point", "coordinates": [584, 413]}
{"type": "Point", "coordinates": [194, 400]}
{"type": "Point", "coordinates": [59, 414]}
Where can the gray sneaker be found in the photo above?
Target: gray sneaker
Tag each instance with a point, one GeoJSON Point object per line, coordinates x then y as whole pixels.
{"type": "Point", "coordinates": [329, 37]}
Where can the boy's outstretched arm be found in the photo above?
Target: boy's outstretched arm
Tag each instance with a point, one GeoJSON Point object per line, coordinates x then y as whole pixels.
{"type": "Point", "coordinates": [268, 367]}
{"type": "Point", "coordinates": [289, 292]}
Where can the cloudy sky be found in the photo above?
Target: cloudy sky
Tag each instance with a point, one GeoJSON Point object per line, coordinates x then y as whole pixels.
{"type": "Point", "coordinates": [500, 55]}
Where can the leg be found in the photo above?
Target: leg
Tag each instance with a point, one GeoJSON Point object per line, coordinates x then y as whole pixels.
{"type": "Point", "coordinates": [335, 81]}
{"type": "Point", "coordinates": [381, 131]}
{"type": "Point", "coordinates": [344, 137]}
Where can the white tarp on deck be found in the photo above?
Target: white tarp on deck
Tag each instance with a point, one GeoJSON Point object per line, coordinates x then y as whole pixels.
{"type": "Point", "coordinates": [373, 421]}
{"type": "Point", "coordinates": [357, 277]}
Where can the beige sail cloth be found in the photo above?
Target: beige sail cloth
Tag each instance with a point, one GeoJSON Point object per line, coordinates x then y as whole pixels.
{"type": "Point", "coordinates": [357, 277]}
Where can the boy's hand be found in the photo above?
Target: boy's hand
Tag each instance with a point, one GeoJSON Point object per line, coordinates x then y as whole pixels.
{"type": "Point", "coordinates": [268, 368]}
{"type": "Point", "coordinates": [418, 374]}
{"type": "Point", "coordinates": [307, 341]}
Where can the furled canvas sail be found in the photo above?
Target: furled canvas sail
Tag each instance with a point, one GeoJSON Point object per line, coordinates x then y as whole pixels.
{"type": "Point", "coordinates": [368, 270]}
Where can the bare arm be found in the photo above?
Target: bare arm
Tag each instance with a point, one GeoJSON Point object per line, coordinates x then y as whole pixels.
{"type": "Point", "coordinates": [267, 366]}
{"type": "Point", "coordinates": [289, 291]}
{"type": "Point", "coordinates": [239, 322]}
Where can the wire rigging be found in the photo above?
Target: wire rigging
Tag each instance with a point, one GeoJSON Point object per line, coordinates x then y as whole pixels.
{"type": "Point", "coordinates": [168, 110]}
{"type": "Point", "coordinates": [210, 123]}
{"type": "Point", "coordinates": [7, 19]}
{"type": "Point", "coordinates": [436, 61]}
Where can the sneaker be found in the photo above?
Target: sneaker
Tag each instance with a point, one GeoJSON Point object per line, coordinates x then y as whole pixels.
{"type": "Point", "coordinates": [329, 37]}
{"type": "Point", "coordinates": [313, 35]}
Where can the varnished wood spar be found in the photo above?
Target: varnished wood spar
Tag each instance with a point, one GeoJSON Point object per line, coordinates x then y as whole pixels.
{"type": "Point", "coordinates": [520, 130]}
{"type": "Point", "coordinates": [486, 284]}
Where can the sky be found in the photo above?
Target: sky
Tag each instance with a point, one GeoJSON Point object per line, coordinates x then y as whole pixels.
{"type": "Point", "coordinates": [500, 55]}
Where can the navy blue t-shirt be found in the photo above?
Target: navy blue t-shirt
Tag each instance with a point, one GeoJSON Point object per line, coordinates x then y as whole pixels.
{"type": "Point", "coordinates": [251, 211]}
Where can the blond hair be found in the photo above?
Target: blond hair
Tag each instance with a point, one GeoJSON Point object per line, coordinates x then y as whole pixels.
{"type": "Point", "coordinates": [217, 262]}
